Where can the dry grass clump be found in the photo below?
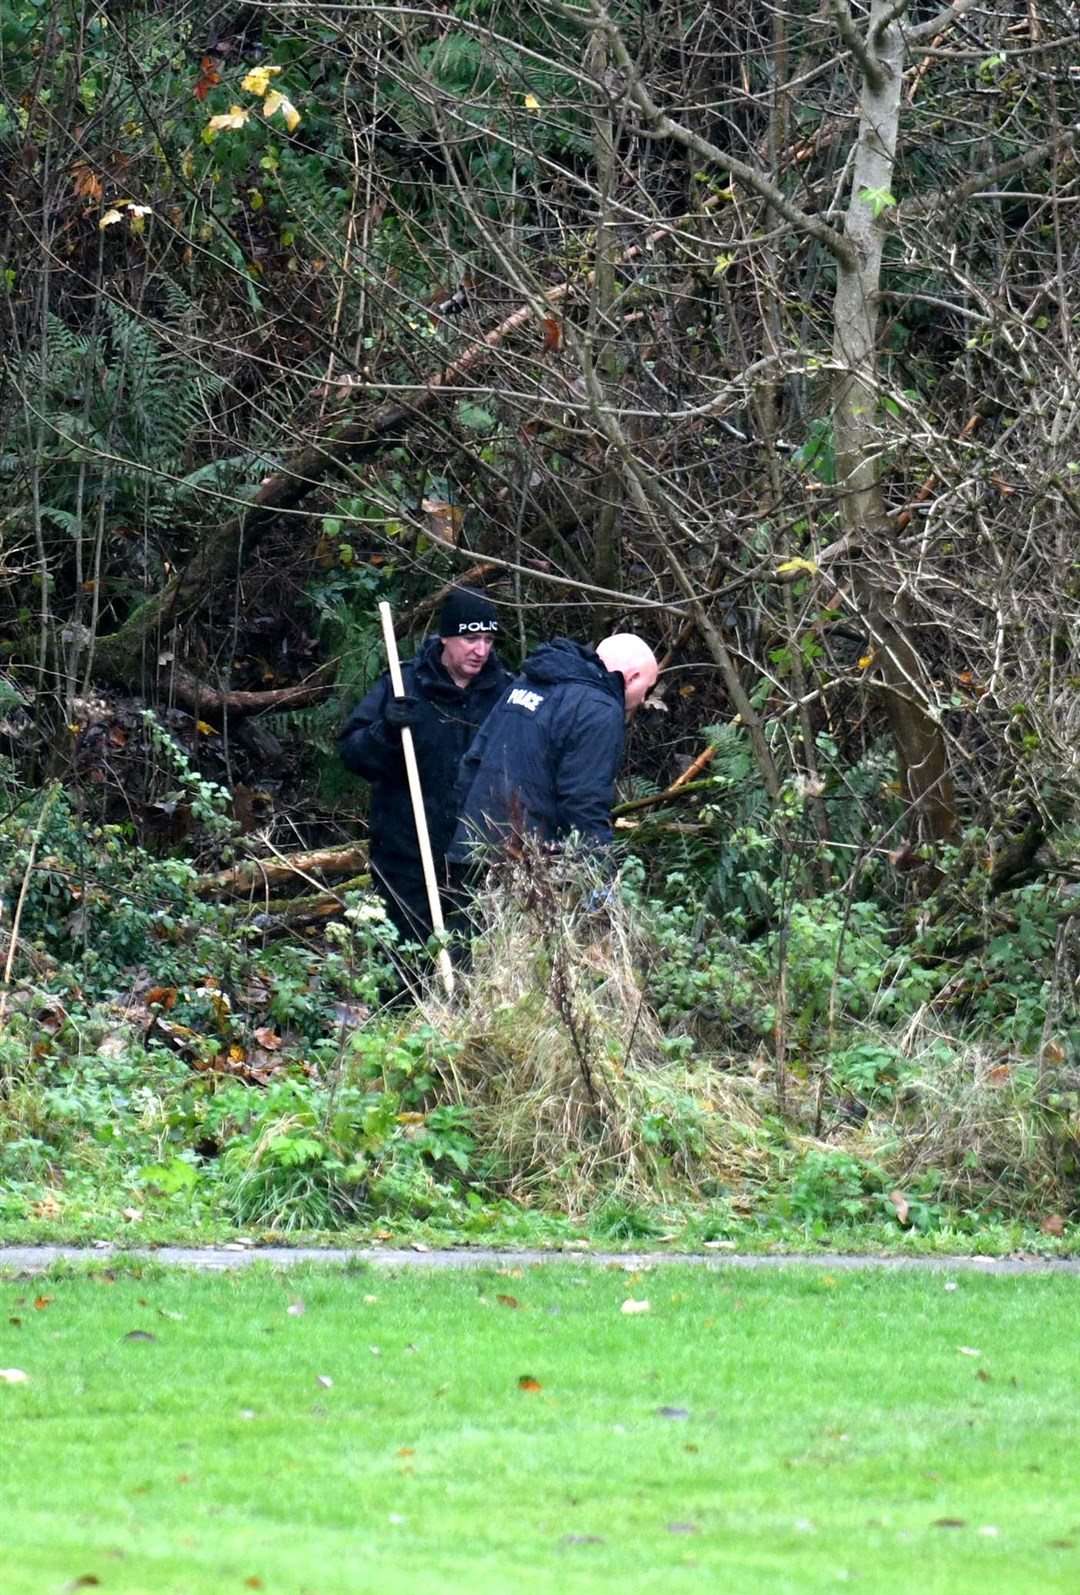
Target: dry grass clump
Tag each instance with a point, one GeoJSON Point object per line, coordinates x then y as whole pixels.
{"type": "Point", "coordinates": [972, 1116]}
{"type": "Point", "coordinates": [563, 1063]}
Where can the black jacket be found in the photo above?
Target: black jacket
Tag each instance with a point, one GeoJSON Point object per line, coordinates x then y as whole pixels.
{"type": "Point", "coordinates": [449, 717]}
{"type": "Point", "coordinates": [548, 754]}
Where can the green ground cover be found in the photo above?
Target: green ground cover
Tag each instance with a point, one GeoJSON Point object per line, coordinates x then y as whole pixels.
{"type": "Point", "coordinates": [350, 1431]}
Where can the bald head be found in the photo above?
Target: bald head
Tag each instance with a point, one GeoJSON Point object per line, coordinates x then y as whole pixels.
{"type": "Point", "coordinates": [635, 662]}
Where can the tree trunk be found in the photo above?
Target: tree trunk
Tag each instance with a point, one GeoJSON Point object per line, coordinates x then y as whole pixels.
{"type": "Point", "coordinates": [906, 689]}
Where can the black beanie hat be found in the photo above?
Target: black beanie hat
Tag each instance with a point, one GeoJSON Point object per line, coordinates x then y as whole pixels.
{"type": "Point", "coordinates": [466, 612]}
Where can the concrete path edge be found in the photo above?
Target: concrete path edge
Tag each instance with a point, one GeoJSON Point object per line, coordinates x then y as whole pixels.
{"type": "Point", "coordinates": [39, 1259]}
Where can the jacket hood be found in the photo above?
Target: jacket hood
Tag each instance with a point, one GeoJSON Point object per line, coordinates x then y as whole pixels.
{"type": "Point", "coordinates": [562, 660]}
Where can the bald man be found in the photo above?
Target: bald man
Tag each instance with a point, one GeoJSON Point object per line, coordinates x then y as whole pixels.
{"type": "Point", "coordinates": [546, 758]}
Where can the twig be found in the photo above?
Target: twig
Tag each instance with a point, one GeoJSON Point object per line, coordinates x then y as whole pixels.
{"type": "Point", "coordinates": [35, 839]}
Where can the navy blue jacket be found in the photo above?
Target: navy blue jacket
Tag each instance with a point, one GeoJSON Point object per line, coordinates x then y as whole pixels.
{"type": "Point", "coordinates": [548, 754]}
{"type": "Point", "coordinates": [449, 718]}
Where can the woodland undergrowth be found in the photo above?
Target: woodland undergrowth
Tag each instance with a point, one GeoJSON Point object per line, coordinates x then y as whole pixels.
{"type": "Point", "coordinates": [615, 1062]}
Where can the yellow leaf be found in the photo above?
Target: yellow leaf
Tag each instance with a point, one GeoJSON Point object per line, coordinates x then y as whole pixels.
{"type": "Point", "coordinates": [278, 102]}
{"type": "Point", "coordinates": [531, 102]}
{"type": "Point", "coordinates": [110, 218]}
{"type": "Point", "coordinates": [258, 79]}
{"type": "Point", "coordinates": [790, 566]}
{"type": "Point", "coordinates": [866, 661]}
{"type": "Point", "coordinates": [233, 118]}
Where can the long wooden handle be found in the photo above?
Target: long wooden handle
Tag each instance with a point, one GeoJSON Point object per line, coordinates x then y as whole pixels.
{"type": "Point", "coordinates": [427, 861]}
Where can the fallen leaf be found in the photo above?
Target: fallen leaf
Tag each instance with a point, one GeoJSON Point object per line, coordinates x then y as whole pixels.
{"type": "Point", "coordinates": [531, 103]}
{"type": "Point", "coordinates": [632, 1306]}
{"type": "Point", "coordinates": [132, 1214]}
{"type": "Point", "coordinates": [981, 1373]}
{"type": "Point", "coordinates": [139, 1334]}
{"type": "Point", "coordinates": [16, 1323]}
{"type": "Point", "coordinates": [324, 1380]}
{"type": "Point", "coordinates": [900, 1203]}
{"type": "Point", "coordinates": [682, 1528]}
{"type": "Point", "coordinates": [672, 1412]}
{"type": "Point", "coordinates": [529, 1384]}
{"type": "Point", "coordinates": [84, 1581]}
{"type": "Point", "coordinates": [989, 1530]}
{"type": "Point", "coordinates": [296, 1309]}
{"type": "Point", "coordinates": [1061, 1545]}
{"type": "Point", "coordinates": [508, 1301]}
{"type": "Point", "coordinates": [583, 1539]}
{"type": "Point", "coordinates": [1054, 1225]}
{"type": "Point", "coordinates": [41, 1302]}
{"type": "Point", "coordinates": [949, 1523]}
{"type": "Point", "coordinates": [268, 1038]}
{"type": "Point", "coordinates": [176, 1318]}
{"type": "Point", "coordinates": [418, 1246]}
{"type": "Point", "coordinates": [253, 1582]}
{"type": "Point", "coordinates": [406, 1451]}
{"type": "Point", "coordinates": [13, 1376]}
{"type": "Point", "coordinates": [968, 1351]}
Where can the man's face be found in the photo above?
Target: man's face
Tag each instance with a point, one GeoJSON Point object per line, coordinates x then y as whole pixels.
{"type": "Point", "coordinates": [465, 657]}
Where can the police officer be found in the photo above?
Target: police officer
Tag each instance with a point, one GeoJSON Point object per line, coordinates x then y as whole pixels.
{"type": "Point", "coordinates": [546, 759]}
{"type": "Point", "coordinates": [450, 687]}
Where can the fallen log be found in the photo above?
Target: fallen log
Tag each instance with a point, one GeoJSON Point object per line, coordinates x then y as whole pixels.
{"type": "Point", "coordinates": [256, 875]}
{"type": "Point", "coordinates": [296, 913]}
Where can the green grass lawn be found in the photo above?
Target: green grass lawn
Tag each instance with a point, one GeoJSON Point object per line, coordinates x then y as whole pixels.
{"type": "Point", "coordinates": [323, 1431]}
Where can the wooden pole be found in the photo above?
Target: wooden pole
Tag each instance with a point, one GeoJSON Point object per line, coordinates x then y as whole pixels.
{"type": "Point", "coordinates": [427, 861]}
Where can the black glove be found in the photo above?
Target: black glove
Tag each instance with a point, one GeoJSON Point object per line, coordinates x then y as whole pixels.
{"type": "Point", "coordinates": [400, 712]}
